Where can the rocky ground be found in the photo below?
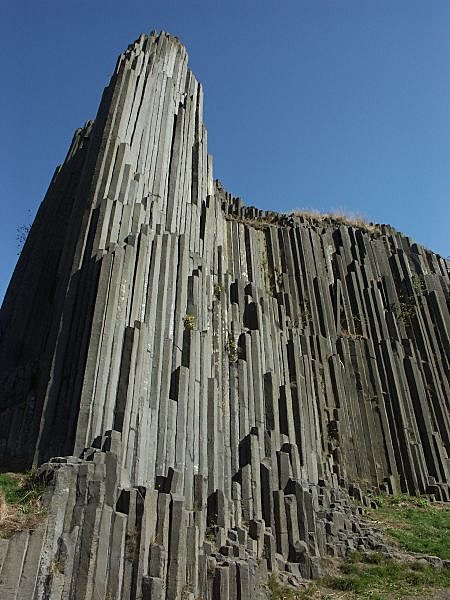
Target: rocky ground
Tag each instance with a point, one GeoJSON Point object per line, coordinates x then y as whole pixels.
{"type": "Point", "coordinates": [389, 571]}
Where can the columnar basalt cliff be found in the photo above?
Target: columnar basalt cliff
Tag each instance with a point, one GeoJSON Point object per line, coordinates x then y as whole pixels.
{"type": "Point", "coordinates": [206, 386]}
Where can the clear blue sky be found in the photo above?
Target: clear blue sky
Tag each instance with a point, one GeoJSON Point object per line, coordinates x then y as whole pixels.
{"type": "Point", "coordinates": [309, 104]}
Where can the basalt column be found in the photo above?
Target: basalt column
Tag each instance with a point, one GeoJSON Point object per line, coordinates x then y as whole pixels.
{"type": "Point", "coordinates": [104, 273]}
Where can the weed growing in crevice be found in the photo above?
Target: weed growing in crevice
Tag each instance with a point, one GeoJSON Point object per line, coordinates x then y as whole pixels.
{"type": "Point", "coordinates": [54, 568]}
{"type": "Point", "coordinates": [419, 285]}
{"type": "Point", "coordinates": [190, 322]}
{"type": "Point", "coordinates": [218, 289]}
{"type": "Point", "coordinates": [233, 349]}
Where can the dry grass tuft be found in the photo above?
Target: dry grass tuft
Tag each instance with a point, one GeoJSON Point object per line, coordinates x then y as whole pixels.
{"type": "Point", "coordinates": [339, 217]}
{"type": "Point", "coordinates": [20, 502]}
{"type": "Point", "coordinates": [313, 216]}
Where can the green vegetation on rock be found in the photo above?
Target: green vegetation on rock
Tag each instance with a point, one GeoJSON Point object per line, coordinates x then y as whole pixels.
{"type": "Point", "coordinates": [415, 524]}
{"type": "Point", "coordinates": [388, 579]}
{"type": "Point", "coordinates": [20, 502]}
{"type": "Point", "coordinates": [380, 579]}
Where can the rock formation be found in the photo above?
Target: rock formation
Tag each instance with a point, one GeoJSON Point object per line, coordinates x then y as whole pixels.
{"type": "Point", "coordinates": [206, 386]}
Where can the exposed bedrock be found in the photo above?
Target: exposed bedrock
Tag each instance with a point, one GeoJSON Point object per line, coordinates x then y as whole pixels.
{"type": "Point", "coordinates": [218, 380]}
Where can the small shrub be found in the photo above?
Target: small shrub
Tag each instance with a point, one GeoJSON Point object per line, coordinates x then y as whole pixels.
{"type": "Point", "coordinates": [405, 309]}
{"type": "Point", "coordinates": [418, 284]}
{"type": "Point", "coordinates": [189, 322]}
{"type": "Point", "coordinates": [218, 289]}
{"type": "Point", "coordinates": [54, 567]}
{"type": "Point", "coordinates": [233, 349]}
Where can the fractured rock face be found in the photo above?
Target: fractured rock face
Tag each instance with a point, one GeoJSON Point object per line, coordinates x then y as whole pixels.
{"type": "Point", "coordinates": [217, 380]}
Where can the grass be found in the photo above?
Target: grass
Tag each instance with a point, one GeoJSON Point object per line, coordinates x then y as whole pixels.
{"type": "Point", "coordinates": [256, 223]}
{"type": "Point", "coordinates": [415, 524]}
{"type": "Point", "coordinates": [278, 591]}
{"type": "Point", "coordinates": [316, 217]}
{"type": "Point", "coordinates": [388, 579]}
{"type": "Point", "coordinates": [339, 217]}
{"type": "Point", "coordinates": [20, 502]}
{"type": "Point", "coordinates": [375, 578]}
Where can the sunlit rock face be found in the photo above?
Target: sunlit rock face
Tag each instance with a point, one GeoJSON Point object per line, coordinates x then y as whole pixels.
{"type": "Point", "coordinates": [217, 381]}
